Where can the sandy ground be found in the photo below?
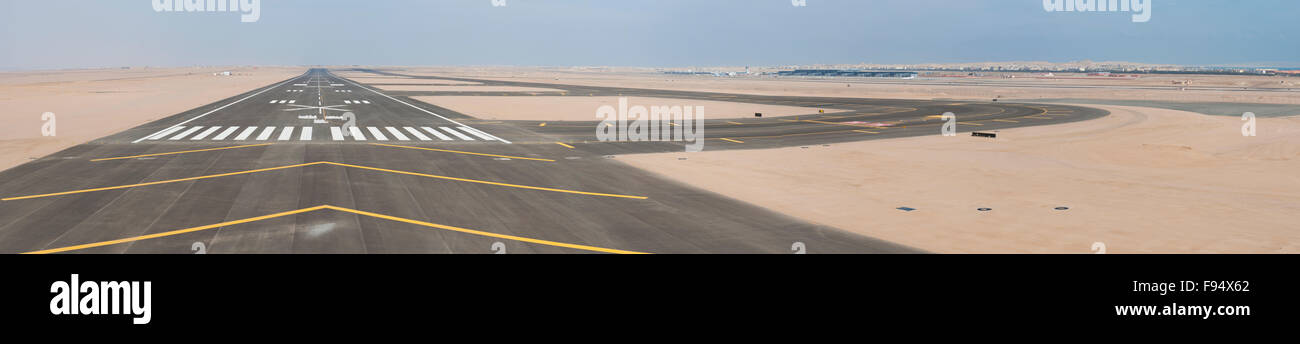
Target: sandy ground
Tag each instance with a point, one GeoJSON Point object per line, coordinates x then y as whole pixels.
{"type": "Point", "coordinates": [990, 86]}
{"type": "Point", "coordinates": [89, 104]}
{"type": "Point", "coordinates": [417, 88]}
{"type": "Point", "coordinates": [584, 108]}
{"type": "Point", "coordinates": [410, 81]}
{"type": "Point", "coordinates": [1139, 181]}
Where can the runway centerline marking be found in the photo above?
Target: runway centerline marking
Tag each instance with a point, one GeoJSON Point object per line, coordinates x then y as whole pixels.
{"type": "Point", "coordinates": [182, 152]}
{"type": "Point", "coordinates": [340, 209]}
{"type": "Point", "coordinates": [432, 176]}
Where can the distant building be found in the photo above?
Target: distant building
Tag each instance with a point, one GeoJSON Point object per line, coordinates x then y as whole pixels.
{"type": "Point", "coordinates": [847, 73]}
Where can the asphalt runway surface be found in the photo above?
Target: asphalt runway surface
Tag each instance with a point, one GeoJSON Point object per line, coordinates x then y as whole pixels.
{"type": "Point", "coordinates": [323, 164]}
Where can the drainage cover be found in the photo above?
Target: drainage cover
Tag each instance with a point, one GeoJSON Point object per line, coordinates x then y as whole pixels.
{"type": "Point", "coordinates": [985, 209]}
{"type": "Point", "coordinates": [906, 209]}
{"type": "Point", "coordinates": [1062, 208]}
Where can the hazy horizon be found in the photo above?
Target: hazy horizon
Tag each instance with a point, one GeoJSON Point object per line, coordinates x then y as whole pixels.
{"type": "Point", "coordinates": [78, 34]}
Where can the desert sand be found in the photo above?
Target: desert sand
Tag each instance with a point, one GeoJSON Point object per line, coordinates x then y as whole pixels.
{"type": "Point", "coordinates": [89, 104]}
{"type": "Point", "coordinates": [544, 108]}
{"type": "Point", "coordinates": [985, 88]}
{"type": "Point", "coordinates": [409, 81]}
{"type": "Point", "coordinates": [1139, 181]}
{"type": "Point", "coordinates": [423, 88]}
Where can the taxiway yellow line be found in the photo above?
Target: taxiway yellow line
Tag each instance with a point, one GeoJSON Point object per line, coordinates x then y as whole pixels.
{"type": "Point", "coordinates": [340, 209]}
{"type": "Point", "coordinates": [183, 152]}
{"type": "Point", "coordinates": [730, 140]}
{"type": "Point", "coordinates": [564, 144]}
{"type": "Point", "coordinates": [486, 234]}
{"type": "Point", "coordinates": [335, 164]}
{"type": "Point", "coordinates": [175, 232]}
{"type": "Point", "coordinates": [157, 182]}
{"type": "Point", "coordinates": [460, 152]}
{"type": "Point", "coordinates": [484, 182]}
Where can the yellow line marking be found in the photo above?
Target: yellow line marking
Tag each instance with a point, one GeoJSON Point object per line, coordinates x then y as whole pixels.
{"type": "Point", "coordinates": [487, 234]}
{"type": "Point", "coordinates": [542, 125]}
{"type": "Point", "coordinates": [844, 124]}
{"type": "Point", "coordinates": [736, 123]}
{"type": "Point", "coordinates": [970, 123]}
{"type": "Point", "coordinates": [563, 144]}
{"type": "Point", "coordinates": [1005, 120]}
{"type": "Point", "coordinates": [460, 152]}
{"type": "Point", "coordinates": [485, 182]}
{"type": "Point", "coordinates": [341, 209]}
{"type": "Point", "coordinates": [183, 152]}
{"type": "Point", "coordinates": [730, 140]}
{"type": "Point", "coordinates": [156, 183]}
{"type": "Point", "coordinates": [327, 163]}
{"type": "Point", "coordinates": [176, 232]}
{"type": "Point", "coordinates": [868, 132]}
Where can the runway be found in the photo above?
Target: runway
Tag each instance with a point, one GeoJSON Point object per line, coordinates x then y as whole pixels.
{"type": "Point", "coordinates": [323, 164]}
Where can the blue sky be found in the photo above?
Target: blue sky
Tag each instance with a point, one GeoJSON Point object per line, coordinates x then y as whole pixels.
{"type": "Point", "coordinates": [37, 34]}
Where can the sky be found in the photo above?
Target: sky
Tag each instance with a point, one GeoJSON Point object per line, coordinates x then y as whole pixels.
{"type": "Point", "coordinates": [52, 34]}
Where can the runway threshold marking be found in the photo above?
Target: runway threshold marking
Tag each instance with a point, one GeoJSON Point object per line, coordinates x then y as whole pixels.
{"type": "Point", "coordinates": [461, 152]}
{"type": "Point", "coordinates": [432, 176]}
{"type": "Point", "coordinates": [730, 140]}
{"type": "Point", "coordinates": [340, 209]}
{"type": "Point", "coordinates": [419, 108]}
{"type": "Point", "coordinates": [182, 152]}
{"type": "Point", "coordinates": [565, 145]}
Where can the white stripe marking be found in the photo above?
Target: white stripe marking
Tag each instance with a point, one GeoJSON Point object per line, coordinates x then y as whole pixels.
{"type": "Point", "coordinates": [356, 133]}
{"type": "Point", "coordinates": [244, 135]}
{"type": "Point", "coordinates": [273, 101]}
{"type": "Point", "coordinates": [366, 101]}
{"type": "Point", "coordinates": [286, 134]}
{"type": "Point", "coordinates": [186, 133]}
{"type": "Point", "coordinates": [336, 133]}
{"type": "Point", "coordinates": [435, 132]}
{"type": "Point", "coordinates": [378, 135]}
{"type": "Point", "coordinates": [266, 133]}
{"type": "Point", "coordinates": [480, 134]}
{"type": "Point", "coordinates": [416, 107]}
{"type": "Point", "coordinates": [205, 133]}
{"type": "Point", "coordinates": [347, 102]}
{"type": "Point", "coordinates": [306, 134]}
{"type": "Point", "coordinates": [224, 134]}
{"type": "Point", "coordinates": [292, 101]}
{"type": "Point", "coordinates": [164, 133]}
{"type": "Point", "coordinates": [397, 134]}
{"type": "Point", "coordinates": [457, 133]}
{"type": "Point", "coordinates": [417, 134]}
